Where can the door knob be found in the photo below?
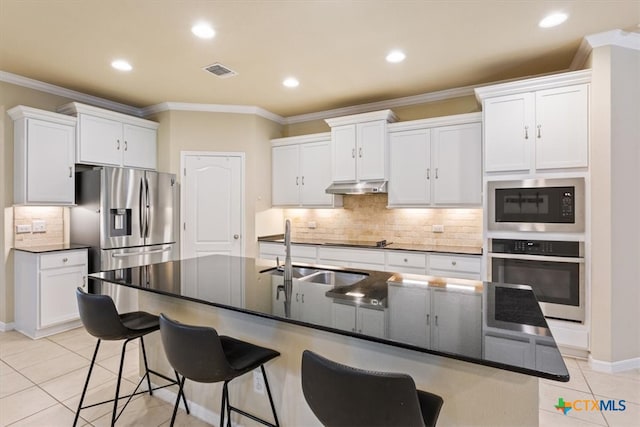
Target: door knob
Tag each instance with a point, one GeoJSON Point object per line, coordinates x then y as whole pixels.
{"type": "Point", "coordinates": [236, 236]}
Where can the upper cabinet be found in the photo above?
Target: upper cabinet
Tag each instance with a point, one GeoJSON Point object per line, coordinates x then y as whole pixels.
{"type": "Point", "coordinates": [44, 147]}
{"type": "Point", "coordinates": [359, 146]}
{"type": "Point", "coordinates": [301, 171]}
{"type": "Point", "coordinates": [108, 138]}
{"type": "Point", "coordinates": [436, 162]}
{"type": "Point", "coordinates": [537, 124]}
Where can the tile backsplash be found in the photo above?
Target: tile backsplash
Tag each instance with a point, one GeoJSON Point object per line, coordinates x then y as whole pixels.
{"type": "Point", "coordinates": [367, 218]}
{"type": "Point", "coordinates": [53, 218]}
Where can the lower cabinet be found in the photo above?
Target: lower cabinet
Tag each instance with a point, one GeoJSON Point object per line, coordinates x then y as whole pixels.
{"type": "Point", "coordinates": [45, 285]}
{"type": "Point", "coordinates": [359, 319]}
{"type": "Point", "coordinates": [526, 350]}
{"type": "Point", "coordinates": [308, 302]}
{"type": "Point", "coordinates": [440, 320]}
{"type": "Point", "coordinates": [458, 266]}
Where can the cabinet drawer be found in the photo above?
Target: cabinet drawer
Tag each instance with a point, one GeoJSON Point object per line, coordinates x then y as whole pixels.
{"type": "Point", "coordinates": [455, 263]}
{"type": "Point", "coordinates": [352, 255]}
{"type": "Point", "coordinates": [272, 250]}
{"type": "Point", "coordinates": [406, 259]}
{"type": "Point", "coordinates": [63, 259]}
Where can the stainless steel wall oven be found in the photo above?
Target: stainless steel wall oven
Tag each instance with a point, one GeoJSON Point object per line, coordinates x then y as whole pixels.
{"type": "Point", "coordinates": [554, 269]}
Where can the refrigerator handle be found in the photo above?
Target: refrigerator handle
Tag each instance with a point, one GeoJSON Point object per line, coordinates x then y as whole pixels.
{"type": "Point", "coordinates": [140, 209]}
{"type": "Point", "coordinates": [147, 208]}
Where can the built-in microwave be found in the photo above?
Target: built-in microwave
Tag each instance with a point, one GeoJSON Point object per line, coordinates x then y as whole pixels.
{"type": "Point", "coordinates": [555, 205]}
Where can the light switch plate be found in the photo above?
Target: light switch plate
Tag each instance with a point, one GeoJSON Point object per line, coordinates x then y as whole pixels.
{"type": "Point", "coordinates": [23, 228]}
{"type": "Point", "coordinates": [39, 225]}
{"type": "Point", "coordinates": [437, 228]}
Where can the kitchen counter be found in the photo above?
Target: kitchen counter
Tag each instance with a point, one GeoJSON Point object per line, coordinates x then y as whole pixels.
{"type": "Point", "coordinates": [458, 250]}
{"type": "Point", "coordinates": [488, 321]}
{"type": "Point", "coordinates": [51, 248]}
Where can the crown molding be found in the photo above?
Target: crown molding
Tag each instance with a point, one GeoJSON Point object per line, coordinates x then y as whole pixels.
{"type": "Point", "coordinates": [67, 93]}
{"type": "Point", "coordinates": [212, 108]}
{"type": "Point", "coordinates": [302, 139]}
{"type": "Point", "coordinates": [22, 112]}
{"type": "Point", "coordinates": [615, 38]}
{"type": "Point", "coordinates": [386, 115]}
{"type": "Point", "coordinates": [457, 119]}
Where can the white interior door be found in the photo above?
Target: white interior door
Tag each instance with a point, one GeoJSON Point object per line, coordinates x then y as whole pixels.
{"type": "Point", "coordinates": [212, 204]}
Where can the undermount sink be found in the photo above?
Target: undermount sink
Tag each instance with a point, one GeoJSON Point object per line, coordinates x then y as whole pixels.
{"type": "Point", "coordinates": [335, 278]}
{"type": "Point", "coordinates": [297, 272]}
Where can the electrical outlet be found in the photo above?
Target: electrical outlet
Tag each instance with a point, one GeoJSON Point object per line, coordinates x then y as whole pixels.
{"type": "Point", "coordinates": [23, 228]}
{"type": "Point", "coordinates": [437, 228]}
{"type": "Point", "coordinates": [39, 226]}
{"type": "Point", "coordinates": [258, 382]}
{"type": "Point", "coordinates": [311, 224]}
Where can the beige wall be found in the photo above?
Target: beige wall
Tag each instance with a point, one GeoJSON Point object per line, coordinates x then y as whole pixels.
{"type": "Point", "coordinates": [615, 207]}
{"type": "Point", "coordinates": [10, 96]}
{"type": "Point", "coordinates": [220, 132]}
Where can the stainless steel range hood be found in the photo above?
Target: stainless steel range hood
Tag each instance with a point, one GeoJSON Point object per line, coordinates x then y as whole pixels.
{"type": "Point", "coordinates": [363, 187]}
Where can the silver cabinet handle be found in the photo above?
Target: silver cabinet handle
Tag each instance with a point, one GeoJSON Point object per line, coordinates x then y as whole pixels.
{"type": "Point", "coordinates": [303, 298]}
{"type": "Point", "coordinates": [118, 144]}
{"type": "Point", "coordinates": [526, 132]}
{"type": "Point", "coordinates": [539, 135]}
{"type": "Point", "coordinates": [65, 259]}
{"type": "Point", "coordinates": [353, 153]}
{"type": "Point", "coordinates": [406, 260]}
{"type": "Point", "coordinates": [436, 173]}
{"type": "Point", "coordinates": [428, 320]}
{"type": "Point", "coordinates": [428, 173]}
{"type": "Point", "coordinates": [453, 262]}
{"type": "Point", "coordinates": [360, 152]}
{"type": "Point", "coordinates": [70, 172]}
{"type": "Point", "coordinates": [236, 236]}
{"type": "Point", "coordinates": [297, 182]}
{"type": "Point", "coordinates": [297, 297]}
{"type": "Point", "coordinates": [84, 281]}
{"type": "Point", "coordinates": [303, 180]}
{"type": "Point", "coordinates": [125, 145]}
{"type": "Point", "coordinates": [436, 320]}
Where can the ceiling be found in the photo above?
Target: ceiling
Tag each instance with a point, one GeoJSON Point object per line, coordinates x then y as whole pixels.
{"type": "Point", "coordinates": [336, 49]}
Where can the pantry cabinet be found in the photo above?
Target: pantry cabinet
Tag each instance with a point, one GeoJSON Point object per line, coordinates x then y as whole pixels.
{"type": "Point", "coordinates": [537, 125]}
{"type": "Point", "coordinates": [359, 146]}
{"type": "Point", "coordinates": [433, 165]}
{"type": "Point", "coordinates": [113, 139]}
{"type": "Point", "coordinates": [45, 300]}
{"type": "Point", "coordinates": [301, 172]}
{"type": "Point", "coordinates": [44, 152]}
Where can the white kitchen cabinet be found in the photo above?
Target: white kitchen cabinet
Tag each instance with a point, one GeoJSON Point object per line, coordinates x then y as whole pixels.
{"type": "Point", "coordinates": [108, 138]}
{"type": "Point", "coordinates": [359, 319]}
{"type": "Point", "coordinates": [45, 300]}
{"type": "Point", "coordinates": [44, 147]}
{"type": "Point", "coordinates": [301, 172]}
{"type": "Point", "coordinates": [406, 262]}
{"type": "Point", "coordinates": [299, 253]}
{"type": "Point", "coordinates": [313, 305]}
{"type": "Point", "coordinates": [509, 350]}
{"type": "Point", "coordinates": [370, 259]}
{"type": "Point", "coordinates": [440, 320]}
{"type": "Point", "coordinates": [359, 147]}
{"type": "Point", "coordinates": [455, 266]}
{"type": "Point", "coordinates": [436, 165]}
{"type": "Point", "coordinates": [537, 124]}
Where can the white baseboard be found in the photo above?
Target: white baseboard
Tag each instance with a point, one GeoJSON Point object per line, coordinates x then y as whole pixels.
{"type": "Point", "coordinates": [4, 327]}
{"type": "Point", "coordinates": [613, 367]}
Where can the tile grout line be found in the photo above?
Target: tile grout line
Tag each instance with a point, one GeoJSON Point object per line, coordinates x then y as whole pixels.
{"type": "Point", "coordinates": [586, 380]}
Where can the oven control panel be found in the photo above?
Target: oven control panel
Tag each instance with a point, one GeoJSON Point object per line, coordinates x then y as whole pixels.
{"type": "Point", "coordinates": [537, 247]}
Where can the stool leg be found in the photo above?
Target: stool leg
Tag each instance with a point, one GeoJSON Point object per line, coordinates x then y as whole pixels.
{"type": "Point", "coordinates": [146, 366]}
{"type": "Point", "coordinates": [223, 407]}
{"type": "Point", "coordinates": [115, 403]}
{"type": "Point", "coordinates": [184, 399]}
{"type": "Point", "coordinates": [180, 392]}
{"type": "Point", "coordinates": [266, 384]}
{"type": "Point", "coordinates": [86, 383]}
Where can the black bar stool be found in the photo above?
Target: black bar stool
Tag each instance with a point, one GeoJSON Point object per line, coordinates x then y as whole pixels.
{"type": "Point", "coordinates": [101, 319]}
{"type": "Point", "coordinates": [340, 395]}
{"type": "Point", "coordinates": [200, 354]}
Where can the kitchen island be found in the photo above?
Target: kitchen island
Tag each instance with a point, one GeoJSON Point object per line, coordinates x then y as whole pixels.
{"type": "Point", "coordinates": [481, 346]}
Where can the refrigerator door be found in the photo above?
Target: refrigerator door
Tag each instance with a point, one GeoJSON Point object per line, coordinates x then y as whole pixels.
{"type": "Point", "coordinates": [160, 209]}
{"type": "Point", "coordinates": [122, 203]}
{"type": "Point", "coordinates": [113, 259]}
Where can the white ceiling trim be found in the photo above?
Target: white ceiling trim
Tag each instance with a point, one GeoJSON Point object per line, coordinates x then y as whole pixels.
{"type": "Point", "coordinates": [67, 93]}
{"type": "Point", "coordinates": [616, 38]}
{"type": "Point", "coordinates": [212, 108]}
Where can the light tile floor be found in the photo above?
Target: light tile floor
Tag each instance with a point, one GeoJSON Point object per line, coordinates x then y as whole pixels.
{"type": "Point", "coordinates": [41, 381]}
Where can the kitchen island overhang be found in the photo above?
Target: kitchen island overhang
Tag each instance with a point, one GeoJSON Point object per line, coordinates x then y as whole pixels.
{"type": "Point", "coordinates": [244, 291]}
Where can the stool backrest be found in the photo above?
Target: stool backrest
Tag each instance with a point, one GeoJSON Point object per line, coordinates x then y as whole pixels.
{"type": "Point", "coordinates": [196, 352]}
{"type": "Point", "coordinates": [340, 395]}
{"type": "Point", "coordinates": [100, 316]}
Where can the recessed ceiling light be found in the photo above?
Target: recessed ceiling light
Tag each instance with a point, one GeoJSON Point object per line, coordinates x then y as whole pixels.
{"type": "Point", "coordinates": [552, 20]}
{"type": "Point", "coordinates": [203, 30]}
{"type": "Point", "coordinates": [291, 82]}
{"type": "Point", "coordinates": [121, 65]}
{"type": "Point", "coordinates": [396, 56]}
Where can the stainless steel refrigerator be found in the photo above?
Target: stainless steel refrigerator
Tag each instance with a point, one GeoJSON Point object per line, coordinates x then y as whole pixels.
{"type": "Point", "coordinates": [127, 216]}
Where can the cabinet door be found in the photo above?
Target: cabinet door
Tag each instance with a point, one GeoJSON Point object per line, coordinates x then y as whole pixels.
{"type": "Point", "coordinates": [100, 141]}
{"type": "Point", "coordinates": [409, 168]}
{"type": "Point", "coordinates": [371, 322]}
{"type": "Point", "coordinates": [343, 153]}
{"type": "Point", "coordinates": [509, 351]}
{"type": "Point", "coordinates": [548, 359]}
{"type": "Point", "coordinates": [409, 315]}
{"type": "Point", "coordinates": [508, 132]}
{"type": "Point", "coordinates": [315, 306]}
{"type": "Point", "coordinates": [457, 324]}
{"type": "Point", "coordinates": [139, 148]}
{"type": "Point", "coordinates": [343, 317]}
{"type": "Point", "coordinates": [57, 294]}
{"type": "Point", "coordinates": [315, 174]}
{"type": "Point", "coordinates": [50, 162]}
{"type": "Point", "coordinates": [372, 150]}
{"type": "Point", "coordinates": [457, 164]}
{"type": "Point", "coordinates": [562, 128]}
{"type": "Point", "coordinates": [285, 178]}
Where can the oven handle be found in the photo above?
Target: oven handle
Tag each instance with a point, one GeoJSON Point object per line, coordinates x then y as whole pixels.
{"type": "Point", "coordinates": [525, 257]}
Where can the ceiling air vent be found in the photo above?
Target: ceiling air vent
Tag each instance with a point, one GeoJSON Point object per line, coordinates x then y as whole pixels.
{"type": "Point", "coordinates": [220, 70]}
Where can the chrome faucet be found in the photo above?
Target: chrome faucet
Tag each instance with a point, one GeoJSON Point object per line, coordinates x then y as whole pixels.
{"type": "Point", "coordinates": [288, 268]}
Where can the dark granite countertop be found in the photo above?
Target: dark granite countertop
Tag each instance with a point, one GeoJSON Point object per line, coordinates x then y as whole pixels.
{"type": "Point", "coordinates": [478, 322]}
{"type": "Point", "coordinates": [363, 244]}
{"type": "Point", "coordinates": [51, 248]}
